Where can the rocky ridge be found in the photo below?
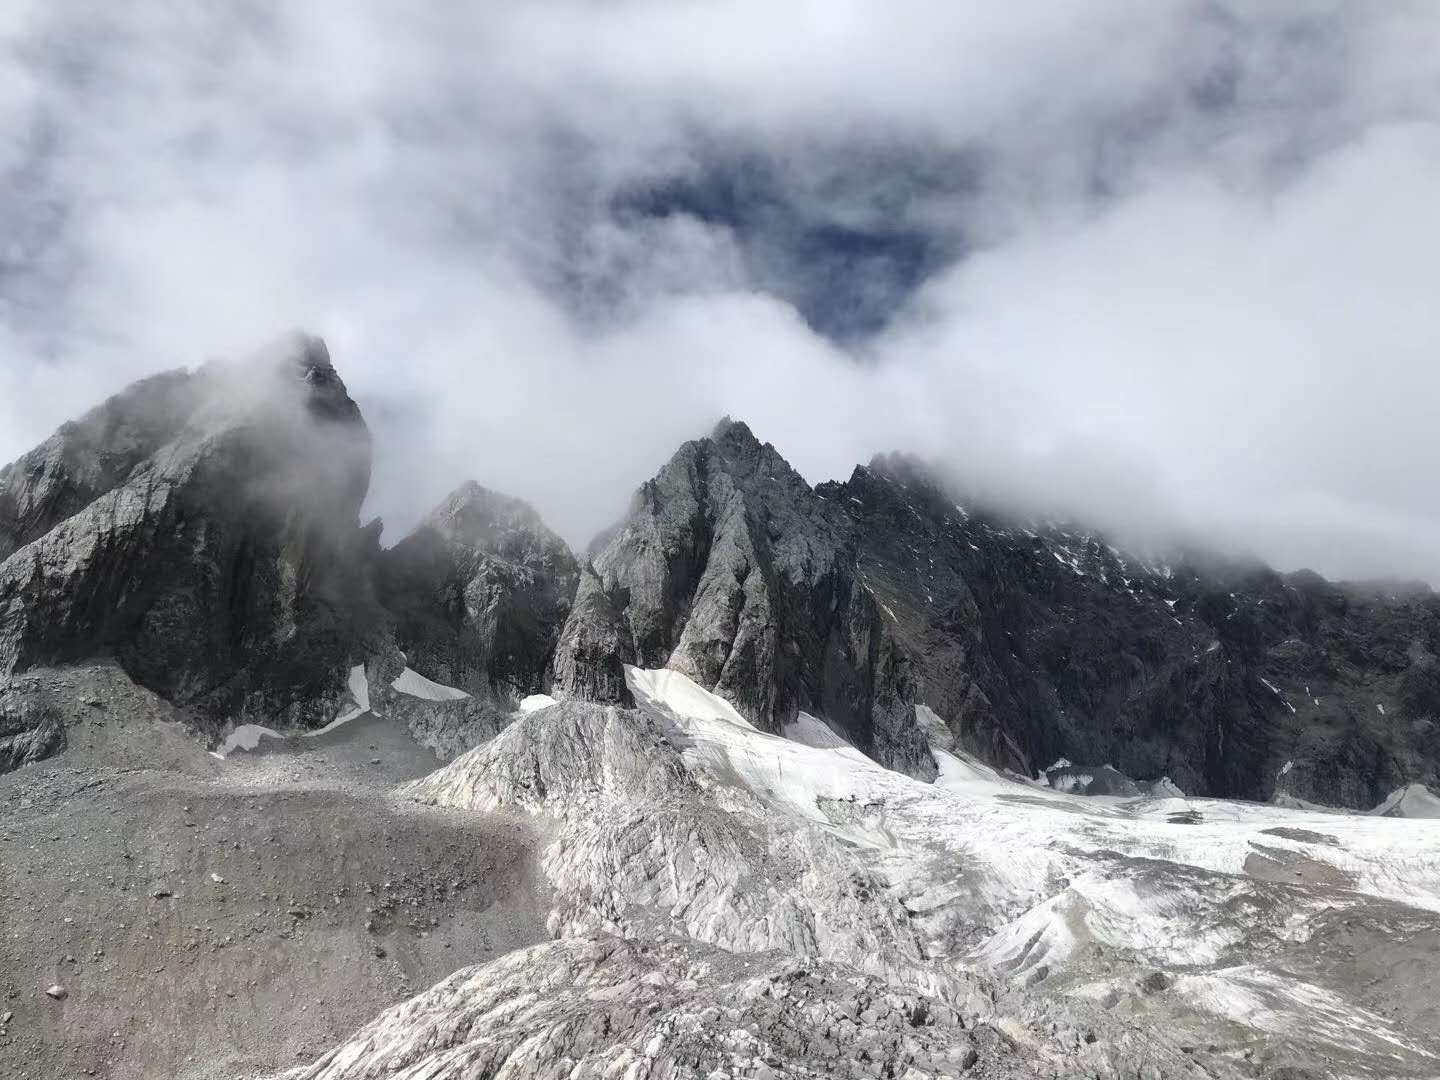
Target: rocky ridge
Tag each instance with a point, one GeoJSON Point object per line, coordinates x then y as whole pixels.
{"type": "Point", "coordinates": [733, 884]}
{"type": "Point", "coordinates": [731, 569]}
{"type": "Point", "coordinates": [859, 602]}
{"type": "Point", "coordinates": [213, 549]}
{"type": "Point", "coordinates": [479, 592]}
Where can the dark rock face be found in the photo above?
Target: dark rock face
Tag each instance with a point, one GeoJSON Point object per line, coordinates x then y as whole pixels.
{"type": "Point", "coordinates": [860, 600]}
{"type": "Point", "coordinates": [479, 593]}
{"type": "Point", "coordinates": [730, 569]}
{"type": "Point", "coordinates": [90, 456]}
{"type": "Point", "coordinates": [595, 644]}
{"type": "Point", "coordinates": [1037, 643]}
{"type": "Point", "coordinates": [32, 727]}
{"type": "Point", "coordinates": [201, 529]}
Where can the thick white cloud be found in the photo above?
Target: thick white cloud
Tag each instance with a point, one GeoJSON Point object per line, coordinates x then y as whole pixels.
{"type": "Point", "coordinates": [1189, 291]}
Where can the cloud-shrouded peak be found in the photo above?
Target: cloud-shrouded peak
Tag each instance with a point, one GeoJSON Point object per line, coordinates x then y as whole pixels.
{"type": "Point", "coordinates": [1162, 265]}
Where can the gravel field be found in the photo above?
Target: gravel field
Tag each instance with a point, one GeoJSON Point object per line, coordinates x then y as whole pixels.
{"type": "Point", "coordinates": [215, 919]}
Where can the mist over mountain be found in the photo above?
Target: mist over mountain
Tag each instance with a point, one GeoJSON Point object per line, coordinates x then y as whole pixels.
{"type": "Point", "coordinates": [1165, 264]}
{"type": "Point", "coordinates": [204, 530]}
{"type": "Point", "coordinates": [719, 540]}
{"type": "Point", "coordinates": [797, 768]}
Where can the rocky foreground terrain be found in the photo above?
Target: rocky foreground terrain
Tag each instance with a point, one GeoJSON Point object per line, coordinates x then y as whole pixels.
{"type": "Point", "coordinates": [850, 780]}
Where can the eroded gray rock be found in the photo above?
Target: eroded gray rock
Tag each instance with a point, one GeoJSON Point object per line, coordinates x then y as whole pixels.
{"type": "Point", "coordinates": [864, 601]}
{"type": "Point", "coordinates": [479, 592]}
{"type": "Point", "coordinates": [213, 549]}
{"type": "Point", "coordinates": [732, 570]}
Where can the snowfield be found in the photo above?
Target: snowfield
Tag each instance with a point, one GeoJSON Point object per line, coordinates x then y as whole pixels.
{"type": "Point", "coordinates": [416, 685]}
{"type": "Point", "coordinates": [1236, 937]}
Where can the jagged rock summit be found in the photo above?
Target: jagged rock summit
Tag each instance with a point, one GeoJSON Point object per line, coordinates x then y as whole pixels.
{"type": "Point", "coordinates": [692, 862]}
{"type": "Point", "coordinates": [731, 569]}
{"type": "Point", "coordinates": [905, 618]}
{"type": "Point", "coordinates": [202, 529]}
{"type": "Point", "coordinates": [479, 592]}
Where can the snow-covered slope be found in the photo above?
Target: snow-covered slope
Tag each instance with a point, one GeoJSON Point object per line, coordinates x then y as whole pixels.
{"type": "Point", "coordinates": [416, 685]}
{"type": "Point", "coordinates": [1172, 933]}
{"type": "Point", "coordinates": [1411, 801]}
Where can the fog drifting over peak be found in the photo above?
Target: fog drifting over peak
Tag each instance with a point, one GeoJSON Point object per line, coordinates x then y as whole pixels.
{"type": "Point", "coordinates": [1161, 264]}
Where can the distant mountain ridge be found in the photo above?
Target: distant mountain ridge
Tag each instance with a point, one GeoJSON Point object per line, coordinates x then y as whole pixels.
{"type": "Point", "coordinates": [204, 531]}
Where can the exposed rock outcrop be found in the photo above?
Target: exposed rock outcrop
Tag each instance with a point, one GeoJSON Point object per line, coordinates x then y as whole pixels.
{"type": "Point", "coordinates": [479, 592]}
{"type": "Point", "coordinates": [607, 1007]}
{"type": "Point", "coordinates": [860, 601]}
{"type": "Point", "coordinates": [731, 569]}
{"type": "Point", "coordinates": [1037, 641]}
{"type": "Point", "coordinates": [203, 529]}
{"type": "Point", "coordinates": [88, 457]}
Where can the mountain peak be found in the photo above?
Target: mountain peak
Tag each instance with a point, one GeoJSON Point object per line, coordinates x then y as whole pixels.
{"type": "Point", "coordinates": [479, 592]}
{"type": "Point", "coordinates": [310, 353]}
{"type": "Point", "coordinates": [732, 430]}
{"type": "Point", "coordinates": [473, 511]}
{"type": "Point", "coordinates": [307, 356]}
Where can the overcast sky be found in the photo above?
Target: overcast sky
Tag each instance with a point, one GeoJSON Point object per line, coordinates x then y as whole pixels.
{"type": "Point", "coordinates": [1168, 265]}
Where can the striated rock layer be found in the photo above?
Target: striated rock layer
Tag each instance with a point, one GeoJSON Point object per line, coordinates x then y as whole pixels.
{"type": "Point", "coordinates": [711, 883]}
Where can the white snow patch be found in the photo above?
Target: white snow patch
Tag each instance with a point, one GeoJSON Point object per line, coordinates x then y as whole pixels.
{"type": "Point", "coordinates": [812, 731]}
{"type": "Point", "coordinates": [359, 687]}
{"type": "Point", "coordinates": [680, 696]}
{"type": "Point", "coordinates": [416, 685]}
{"type": "Point", "coordinates": [1283, 699]}
{"type": "Point", "coordinates": [963, 773]}
{"type": "Point", "coordinates": [1156, 880]}
{"type": "Point", "coordinates": [245, 737]}
{"type": "Point", "coordinates": [536, 702]}
{"type": "Point", "coordinates": [726, 749]}
{"type": "Point", "coordinates": [1012, 836]}
{"type": "Point", "coordinates": [1278, 1003]}
{"type": "Point", "coordinates": [1412, 801]}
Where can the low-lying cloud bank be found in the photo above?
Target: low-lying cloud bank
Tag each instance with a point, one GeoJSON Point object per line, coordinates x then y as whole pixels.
{"type": "Point", "coordinates": [1164, 265]}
